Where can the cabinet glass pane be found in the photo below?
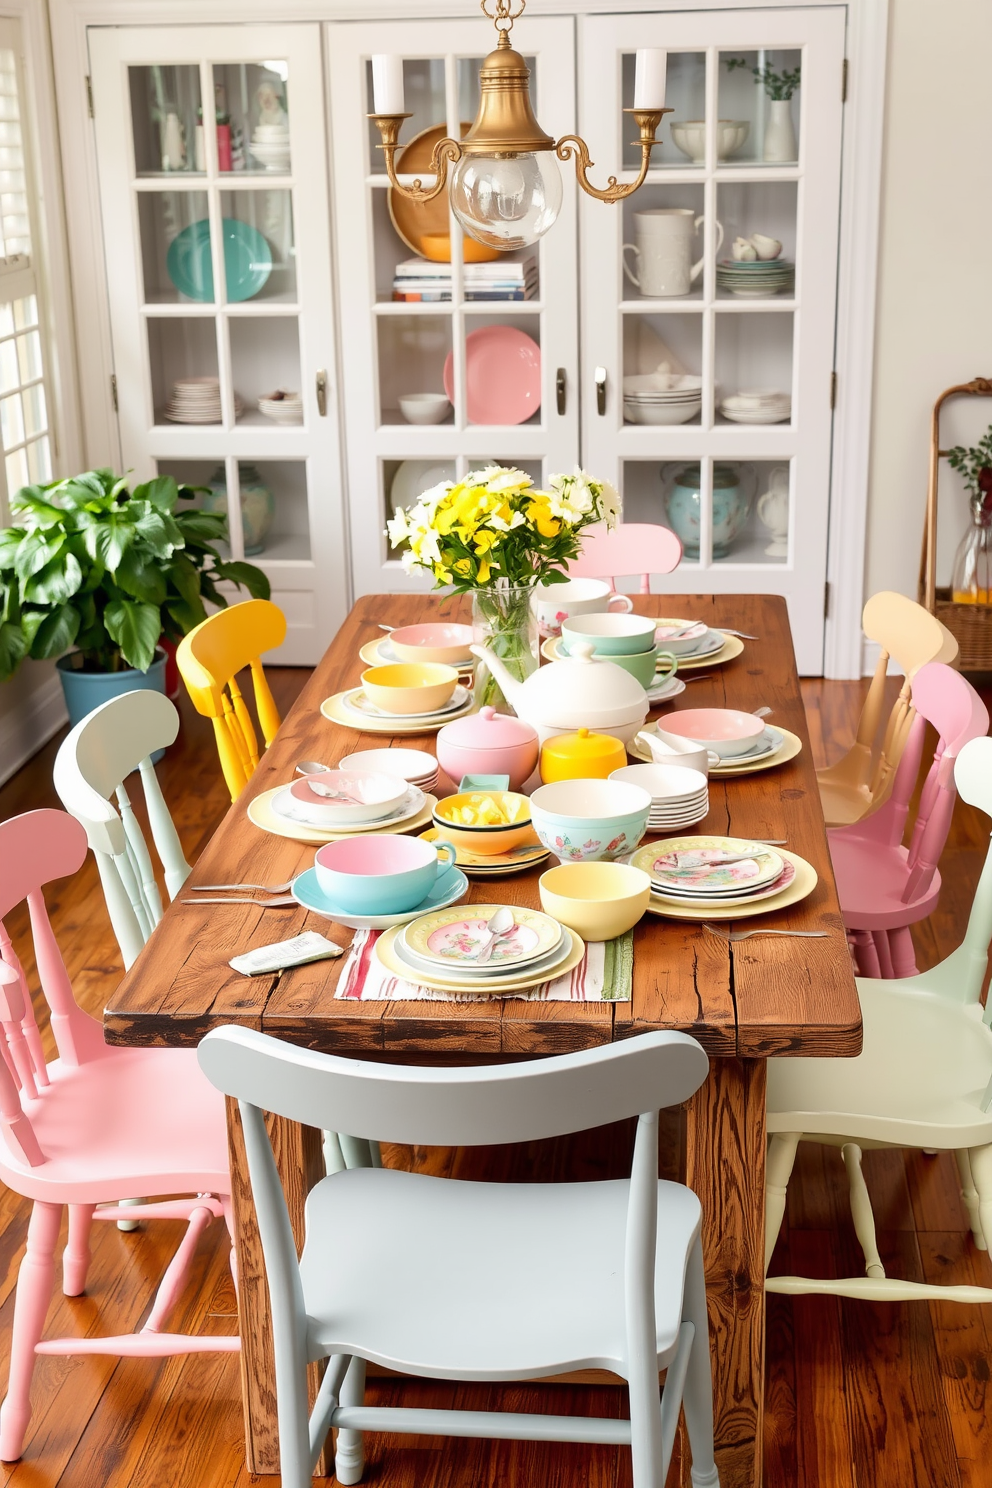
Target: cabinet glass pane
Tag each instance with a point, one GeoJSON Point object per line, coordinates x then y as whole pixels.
{"type": "Point", "coordinates": [642, 489]}
{"type": "Point", "coordinates": [663, 246]}
{"type": "Point", "coordinates": [182, 357]}
{"type": "Point", "coordinates": [165, 119]}
{"type": "Point", "coordinates": [199, 474]}
{"type": "Point", "coordinates": [503, 377]}
{"type": "Point", "coordinates": [685, 94]}
{"type": "Point", "coordinates": [753, 368]}
{"type": "Point", "coordinates": [274, 511]}
{"type": "Point", "coordinates": [251, 105]}
{"type": "Point", "coordinates": [265, 358]}
{"type": "Point", "coordinates": [175, 246]}
{"type": "Point", "coordinates": [424, 99]}
{"type": "Point", "coordinates": [259, 251]}
{"type": "Point", "coordinates": [412, 350]}
{"type": "Point", "coordinates": [755, 515]}
{"type": "Point", "coordinates": [672, 346]}
{"type": "Point", "coordinates": [764, 213]}
{"type": "Point", "coordinates": [762, 89]}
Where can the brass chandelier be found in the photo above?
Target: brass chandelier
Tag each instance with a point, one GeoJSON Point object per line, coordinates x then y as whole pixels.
{"type": "Point", "coordinates": [505, 188]}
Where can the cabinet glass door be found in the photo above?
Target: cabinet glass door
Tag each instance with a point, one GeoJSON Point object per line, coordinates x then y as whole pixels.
{"type": "Point", "coordinates": [453, 358]}
{"type": "Point", "coordinates": [709, 296]}
{"type": "Point", "coordinates": [213, 188]}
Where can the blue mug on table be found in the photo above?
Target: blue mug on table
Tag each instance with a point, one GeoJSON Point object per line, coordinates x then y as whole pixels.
{"type": "Point", "coordinates": [380, 874]}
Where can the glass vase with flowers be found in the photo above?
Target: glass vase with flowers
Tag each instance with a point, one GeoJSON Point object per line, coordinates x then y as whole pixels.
{"type": "Point", "coordinates": [494, 535]}
{"type": "Point", "coordinates": [971, 579]}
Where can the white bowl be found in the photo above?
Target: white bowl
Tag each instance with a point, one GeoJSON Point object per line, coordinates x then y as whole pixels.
{"type": "Point", "coordinates": [377, 794]}
{"type": "Point", "coordinates": [424, 408]}
{"type": "Point", "coordinates": [660, 413]}
{"type": "Point", "coordinates": [668, 785]}
{"type": "Point", "coordinates": [412, 765]}
{"type": "Point", "coordinates": [690, 137]}
{"type": "Point", "coordinates": [285, 410]}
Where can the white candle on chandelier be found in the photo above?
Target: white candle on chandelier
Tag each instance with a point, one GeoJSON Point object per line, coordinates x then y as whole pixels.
{"type": "Point", "coordinates": [649, 78]}
{"type": "Point", "coordinates": [387, 83]}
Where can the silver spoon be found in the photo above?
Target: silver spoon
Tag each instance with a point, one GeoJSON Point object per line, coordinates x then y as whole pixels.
{"type": "Point", "coordinates": [312, 767]}
{"type": "Point", "coordinates": [500, 924]}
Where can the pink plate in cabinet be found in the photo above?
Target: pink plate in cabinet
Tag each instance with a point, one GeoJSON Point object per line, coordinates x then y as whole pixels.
{"type": "Point", "coordinates": [502, 375]}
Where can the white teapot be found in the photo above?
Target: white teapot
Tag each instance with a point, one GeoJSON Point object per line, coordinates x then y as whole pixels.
{"type": "Point", "coordinates": [580, 692]}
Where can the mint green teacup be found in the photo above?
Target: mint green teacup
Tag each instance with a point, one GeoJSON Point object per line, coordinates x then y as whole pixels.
{"type": "Point", "coordinates": [651, 668]}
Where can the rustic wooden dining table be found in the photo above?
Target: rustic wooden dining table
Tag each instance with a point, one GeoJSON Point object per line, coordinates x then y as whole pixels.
{"type": "Point", "coordinates": [744, 1002]}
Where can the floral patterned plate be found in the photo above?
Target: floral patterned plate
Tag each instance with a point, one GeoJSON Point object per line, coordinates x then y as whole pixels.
{"type": "Point", "coordinates": [451, 938]}
{"type": "Point", "coordinates": [716, 901]}
{"type": "Point", "coordinates": [709, 865]}
{"type": "Point", "coordinates": [486, 974]}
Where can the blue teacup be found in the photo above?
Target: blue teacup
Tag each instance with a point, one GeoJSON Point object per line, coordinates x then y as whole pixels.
{"type": "Point", "coordinates": [380, 874]}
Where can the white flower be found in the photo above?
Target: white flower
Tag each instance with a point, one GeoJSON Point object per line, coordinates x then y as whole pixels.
{"type": "Point", "coordinates": [409, 561]}
{"type": "Point", "coordinates": [611, 505]}
{"type": "Point", "coordinates": [398, 527]}
{"type": "Point", "coordinates": [428, 500]}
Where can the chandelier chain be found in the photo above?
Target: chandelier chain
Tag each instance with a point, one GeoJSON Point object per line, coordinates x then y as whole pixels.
{"type": "Point", "coordinates": [503, 14]}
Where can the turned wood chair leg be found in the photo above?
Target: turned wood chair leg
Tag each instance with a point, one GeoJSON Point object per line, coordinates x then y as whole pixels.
{"type": "Point", "coordinates": [880, 940]}
{"type": "Point", "coordinates": [697, 1398]}
{"type": "Point", "coordinates": [903, 952]}
{"type": "Point", "coordinates": [778, 1170]}
{"type": "Point", "coordinates": [980, 1161]}
{"type": "Point", "coordinates": [861, 1211]}
{"type": "Point", "coordinates": [34, 1293]}
{"type": "Point", "coordinates": [349, 1446]}
{"type": "Point", "coordinates": [76, 1256]}
{"type": "Point", "coordinates": [969, 1197]}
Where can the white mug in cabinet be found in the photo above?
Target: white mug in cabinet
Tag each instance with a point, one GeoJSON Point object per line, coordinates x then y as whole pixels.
{"type": "Point", "coordinates": [773, 512]}
{"type": "Point", "coordinates": [663, 251]}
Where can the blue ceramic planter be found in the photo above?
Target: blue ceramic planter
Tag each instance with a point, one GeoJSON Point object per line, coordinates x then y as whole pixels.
{"type": "Point", "coordinates": [85, 691]}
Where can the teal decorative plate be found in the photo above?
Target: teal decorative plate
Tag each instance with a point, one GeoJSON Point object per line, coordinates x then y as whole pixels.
{"type": "Point", "coordinates": [247, 260]}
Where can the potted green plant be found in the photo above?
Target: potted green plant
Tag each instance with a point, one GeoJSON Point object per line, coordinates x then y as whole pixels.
{"type": "Point", "coordinates": [780, 134]}
{"type": "Point", "coordinates": [111, 572]}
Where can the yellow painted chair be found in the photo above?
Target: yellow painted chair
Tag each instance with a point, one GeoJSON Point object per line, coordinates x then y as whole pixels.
{"type": "Point", "coordinates": [209, 659]}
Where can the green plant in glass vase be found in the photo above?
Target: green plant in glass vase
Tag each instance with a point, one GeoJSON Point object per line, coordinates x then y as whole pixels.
{"type": "Point", "coordinates": [94, 565]}
{"type": "Point", "coordinates": [495, 536]}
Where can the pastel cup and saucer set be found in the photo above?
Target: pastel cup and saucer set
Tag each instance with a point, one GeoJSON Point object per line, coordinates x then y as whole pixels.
{"type": "Point", "coordinates": [555, 603]}
{"type": "Point", "coordinates": [627, 640]}
{"type": "Point", "coordinates": [378, 882]}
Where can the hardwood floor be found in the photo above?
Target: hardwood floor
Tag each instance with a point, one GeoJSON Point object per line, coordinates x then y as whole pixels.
{"type": "Point", "coordinates": [858, 1394]}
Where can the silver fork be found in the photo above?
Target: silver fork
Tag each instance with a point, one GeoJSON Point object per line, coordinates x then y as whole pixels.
{"type": "Point", "coordinates": [282, 903]}
{"type": "Point", "coordinates": [746, 934]}
{"type": "Point", "coordinates": [726, 630]}
{"type": "Point", "coordinates": [268, 888]}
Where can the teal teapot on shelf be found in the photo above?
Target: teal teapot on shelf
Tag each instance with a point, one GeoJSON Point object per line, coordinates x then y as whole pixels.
{"type": "Point", "coordinates": [258, 505]}
{"type": "Point", "coordinates": [733, 494]}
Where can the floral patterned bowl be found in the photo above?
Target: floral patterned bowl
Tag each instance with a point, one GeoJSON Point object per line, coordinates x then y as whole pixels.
{"type": "Point", "coordinates": [585, 821]}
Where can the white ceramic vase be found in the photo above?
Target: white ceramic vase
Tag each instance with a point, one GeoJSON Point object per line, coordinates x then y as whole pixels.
{"type": "Point", "coordinates": [780, 136]}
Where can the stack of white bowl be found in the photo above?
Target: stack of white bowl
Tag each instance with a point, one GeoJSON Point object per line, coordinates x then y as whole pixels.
{"type": "Point", "coordinates": [415, 766]}
{"type": "Point", "coordinates": [661, 397]}
{"type": "Point", "coordinates": [282, 407]}
{"type": "Point", "coordinates": [757, 406]}
{"type": "Point", "coordinates": [680, 796]}
{"type": "Point", "coordinates": [270, 146]}
{"type": "Point", "coordinates": [196, 400]}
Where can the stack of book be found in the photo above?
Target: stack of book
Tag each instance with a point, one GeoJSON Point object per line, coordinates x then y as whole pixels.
{"type": "Point", "coordinates": [501, 279]}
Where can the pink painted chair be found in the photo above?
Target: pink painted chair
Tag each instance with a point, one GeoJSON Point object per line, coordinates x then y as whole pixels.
{"type": "Point", "coordinates": [95, 1122]}
{"type": "Point", "coordinates": [631, 548]}
{"type": "Point", "coordinates": [885, 887]}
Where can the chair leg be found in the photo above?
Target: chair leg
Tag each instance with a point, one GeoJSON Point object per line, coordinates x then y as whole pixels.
{"type": "Point", "coordinates": [76, 1256]}
{"type": "Point", "coordinates": [697, 1396]}
{"type": "Point", "coordinates": [981, 1170]}
{"type": "Point", "coordinates": [34, 1292]}
{"type": "Point", "coordinates": [903, 952]}
{"type": "Point", "coordinates": [866, 954]}
{"type": "Point", "coordinates": [884, 953]}
{"type": "Point", "coordinates": [349, 1448]}
{"type": "Point", "coordinates": [357, 1152]}
{"type": "Point", "coordinates": [969, 1197]}
{"type": "Point", "coordinates": [861, 1211]}
{"type": "Point", "coordinates": [778, 1170]}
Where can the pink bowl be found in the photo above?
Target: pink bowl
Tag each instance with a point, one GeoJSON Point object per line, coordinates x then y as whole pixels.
{"type": "Point", "coordinates": [447, 644]}
{"type": "Point", "coordinates": [724, 730]}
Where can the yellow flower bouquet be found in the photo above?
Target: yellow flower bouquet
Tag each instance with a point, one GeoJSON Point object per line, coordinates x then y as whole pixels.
{"type": "Point", "coordinates": [494, 535]}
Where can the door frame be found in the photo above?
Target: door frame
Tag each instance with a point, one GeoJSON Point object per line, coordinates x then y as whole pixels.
{"type": "Point", "coordinates": [861, 176]}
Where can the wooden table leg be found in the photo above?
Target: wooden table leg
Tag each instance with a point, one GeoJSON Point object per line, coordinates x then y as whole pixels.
{"type": "Point", "coordinates": [725, 1166]}
{"type": "Point", "coordinates": [300, 1161]}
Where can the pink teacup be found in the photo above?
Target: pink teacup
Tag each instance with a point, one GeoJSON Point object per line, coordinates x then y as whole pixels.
{"type": "Point", "coordinates": [384, 874]}
{"type": "Point", "coordinates": [726, 731]}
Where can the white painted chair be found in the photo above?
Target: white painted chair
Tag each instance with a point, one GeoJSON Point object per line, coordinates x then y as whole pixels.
{"type": "Point", "coordinates": [923, 1080]}
{"type": "Point", "coordinates": [390, 1269]}
{"type": "Point", "coordinates": [90, 769]}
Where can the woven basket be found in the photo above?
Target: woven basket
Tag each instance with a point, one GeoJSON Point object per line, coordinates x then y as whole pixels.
{"type": "Point", "coordinates": [971, 626]}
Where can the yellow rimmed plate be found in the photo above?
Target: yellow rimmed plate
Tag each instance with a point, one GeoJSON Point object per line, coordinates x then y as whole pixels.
{"type": "Point", "coordinates": [372, 655]}
{"type": "Point", "coordinates": [332, 709]}
{"type": "Point", "coordinates": [733, 646]}
{"type": "Point", "coordinates": [801, 887]}
{"type": "Point", "coordinates": [387, 957]}
{"type": "Point", "coordinates": [542, 933]}
{"type": "Point", "coordinates": [260, 814]}
{"type": "Point", "coordinates": [791, 746]}
{"type": "Point", "coordinates": [525, 856]}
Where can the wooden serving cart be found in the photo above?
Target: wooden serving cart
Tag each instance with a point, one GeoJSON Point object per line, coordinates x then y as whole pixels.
{"type": "Point", "coordinates": [970, 624]}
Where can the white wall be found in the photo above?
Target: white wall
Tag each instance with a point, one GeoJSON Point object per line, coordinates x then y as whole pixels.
{"type": "Point", "coordinates": [934, 317]}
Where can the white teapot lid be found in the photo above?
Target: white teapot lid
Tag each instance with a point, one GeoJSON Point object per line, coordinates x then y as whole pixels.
{"type": "Point", "coordinates": [585, 686]}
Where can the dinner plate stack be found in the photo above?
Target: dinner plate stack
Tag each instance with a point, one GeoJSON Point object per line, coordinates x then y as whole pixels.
{"type": "Point", "coordinates": [757, 408]}
{"type": "Point", "coordinates": [714, 871]}
{"type": "Point", "coordinates": [282, 407]}
{"type": "Point", "coordinates": [661, 397]}
{"type": "Point", "coordinates": [356, 703]}
{"type": "Point", "coordinates": [415, 766]}
{"type": "Point", "coordinates": [493, 865]}
{"type": "Point", "coordinates": [456, 947]}
{"type": "Point", "coordinates": [196, 400]}
{"type": "Point", "coordinates": [290, 805]}
{"type": "Point", "coordinates": [680, 796]}
{"type": "Point", "coordinates": [757, 280]}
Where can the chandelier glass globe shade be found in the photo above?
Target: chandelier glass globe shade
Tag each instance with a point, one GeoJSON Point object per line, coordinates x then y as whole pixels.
{"type": "Point", "coordinates": [506, 200]}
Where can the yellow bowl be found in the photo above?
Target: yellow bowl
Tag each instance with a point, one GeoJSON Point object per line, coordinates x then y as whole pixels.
{"type": "Point", "coordinates": [597, 900]}
{"type": "Point", "coordinates": [412, 687]}
{"type": "Point", "coordinates": [437, 247]}
{"type": "Point", "coordinates": [487, 841]}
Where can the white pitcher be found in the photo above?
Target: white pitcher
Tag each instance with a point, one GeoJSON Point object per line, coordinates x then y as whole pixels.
{"type": "Point", "coordinates": [773, 512]}
{"type": "Point", "coordinates": [663, 249]}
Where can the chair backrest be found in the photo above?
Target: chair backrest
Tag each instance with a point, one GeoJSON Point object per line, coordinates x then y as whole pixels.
{"type": "Point", "coordinates": [630, 548]}
{"type": "Point", "coordinates": [34, 849]}
{"type": "Point", "coordinates": [209, 659]}
{"type": "Point", "coordinates": [961, 975]}
{"type": "Point", "coordinates": [90, 767]}
{"type": "Point", "coordinates": [947, 701]}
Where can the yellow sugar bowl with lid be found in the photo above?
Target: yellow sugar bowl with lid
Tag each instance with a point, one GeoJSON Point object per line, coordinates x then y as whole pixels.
{"type": "Point", "coordinates": [581, 756]}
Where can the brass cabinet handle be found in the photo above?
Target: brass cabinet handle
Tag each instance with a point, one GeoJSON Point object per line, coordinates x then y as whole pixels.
{"type": "Point", "coordinates": [600, 377]}
{"type": "Point", "coordinates": [560, 389]}
{"type": "Point", "coordinates": [322, 392]}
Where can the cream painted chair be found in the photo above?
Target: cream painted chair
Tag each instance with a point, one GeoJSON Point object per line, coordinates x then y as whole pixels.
{"type": "Point", "coordinates": [862, 780]}
{"type": "Point", "coordinates": [923, 1080]}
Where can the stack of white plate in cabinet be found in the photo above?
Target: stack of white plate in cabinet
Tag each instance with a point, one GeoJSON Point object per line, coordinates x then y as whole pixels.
{"type": "Point", "coordinates": [196, 400]}
{"type": "Point", "coordinates": [661, 397]}
{"type": "Point", "coordinates": [680, 796]}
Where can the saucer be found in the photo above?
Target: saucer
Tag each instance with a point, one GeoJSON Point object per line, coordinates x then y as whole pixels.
{"type": "Point", "coordinates": [493, 865]}
{"type": "Point", "coordinates": [448, 888]}
{"type": "Point", "coordinates": [261, 815]}
{"type": "Point", "coordinates": [398, 724]}
{"type": "Point", "coordinates": [381, 653]}
{"type": "Point", "coordinates": [286, 806]}
{"type": "Point", "coordinates": [355, 701]}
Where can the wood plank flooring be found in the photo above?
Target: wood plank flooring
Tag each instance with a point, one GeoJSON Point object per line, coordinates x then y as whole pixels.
{"type": "Point", "coordinates": [859, 1395]}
